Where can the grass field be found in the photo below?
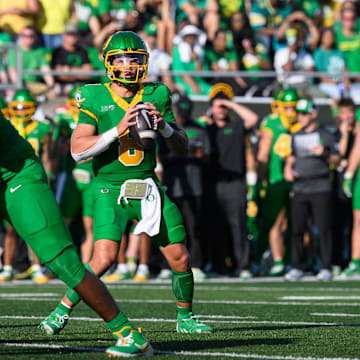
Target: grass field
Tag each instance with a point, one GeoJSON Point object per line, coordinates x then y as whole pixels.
{"type": "Point", "coordinates": [252, 320]}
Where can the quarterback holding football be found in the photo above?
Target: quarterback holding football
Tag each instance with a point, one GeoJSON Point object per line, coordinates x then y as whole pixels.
{"type": "Point", "coordinates": [111, 130]}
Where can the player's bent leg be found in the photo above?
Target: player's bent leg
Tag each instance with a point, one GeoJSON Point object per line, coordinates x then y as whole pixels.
{"type": "Point", "coordinates": [68, 267]}
{"type": "Point", "coordinates": [104, 255]}
{"type": "Point", "coordinates": [183, 288]}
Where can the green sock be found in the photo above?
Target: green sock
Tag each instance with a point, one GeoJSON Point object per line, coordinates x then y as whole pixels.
{"type": "Point", "coordinates": [279, 262]}
{"type": "Point", "coordinates": [117, 325]}
{"type": "Point", "coordinates": [356, 262]}
{"type": "Point", "coordinates": [63, 308]}
{"type": "Point", "coordinates": [183, 312]}
{"type": "Point", "coordinates": [71, 294]}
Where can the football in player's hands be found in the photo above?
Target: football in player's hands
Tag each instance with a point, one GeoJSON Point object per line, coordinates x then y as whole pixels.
{"type": "Point", "coordinates": [144, 131]}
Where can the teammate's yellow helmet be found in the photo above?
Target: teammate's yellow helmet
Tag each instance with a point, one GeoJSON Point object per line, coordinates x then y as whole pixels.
{"type": "Point", "coordinates": [23, 105]}
{"type": "Point", "coordinates": [74, 109]}
{"type": "Point", "coordinates": [132, 55]}
{"type": "Point", "coordinates": [288, 105]}
{"type": "Point", "coordinates": [275, 105]}
{"type": "Point", "coordinates": [4, 108]}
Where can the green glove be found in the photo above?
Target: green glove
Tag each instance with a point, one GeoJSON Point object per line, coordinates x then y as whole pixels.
{"type": "Point", "coordinates": [251, 193]}
{"type": "Point", "coordinates": [347, 185]}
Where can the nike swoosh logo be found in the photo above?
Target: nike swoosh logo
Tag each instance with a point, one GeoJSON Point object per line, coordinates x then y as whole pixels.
{"type": "Point", "coordinates": [15, 188]}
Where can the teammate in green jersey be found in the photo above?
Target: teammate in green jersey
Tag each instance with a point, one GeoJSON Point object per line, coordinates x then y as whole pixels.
{"type": "Point", "coordinates": [28, 203]}
{"type": "Point", "coordinates": [351, 188]}
{"type": "Point", "coordinates": [274, 147]}
{"type": "Point", "coordinates": [120, 165]}
{"type": "Point", "coordinates": [21, 109]}
{"type": "Point", "coordinates": [74, 182]}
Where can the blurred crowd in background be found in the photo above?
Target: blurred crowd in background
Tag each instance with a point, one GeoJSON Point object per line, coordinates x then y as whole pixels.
{"type": "Point", "coordinates": [189, 35]}
{"type": "Point", "coordinates": [234, 188]}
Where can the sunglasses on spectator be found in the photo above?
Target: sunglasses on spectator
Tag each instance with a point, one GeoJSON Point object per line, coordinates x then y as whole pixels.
{"type": "Point", "coordinates": [28, 35]}
{"type": "Point", "coordinates": [349, 18]}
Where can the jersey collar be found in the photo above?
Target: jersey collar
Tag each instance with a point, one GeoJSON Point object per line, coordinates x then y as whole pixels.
{"type": "Point", "coordinates": [123, 103]}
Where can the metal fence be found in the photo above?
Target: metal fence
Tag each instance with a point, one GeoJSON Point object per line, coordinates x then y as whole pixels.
{"type": "Point", "coordinates": [205, 74]}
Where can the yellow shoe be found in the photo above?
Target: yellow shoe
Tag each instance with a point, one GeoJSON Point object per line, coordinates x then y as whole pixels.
{"type": "Point", "coordinates": [24, 275]}
{"type": "Point", "coordinates": [142, 273]}
{"type": "Point", "coordinates": [38, 276]}
{"type": "Point", "coordinates": [116, 276]}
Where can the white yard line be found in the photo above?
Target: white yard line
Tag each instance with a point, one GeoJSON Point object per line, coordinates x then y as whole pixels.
{"type": "Point", "coordinates": [28, 294]}
{"type": "Point", "coordinates": [292, 297]}
{"type": "Point", "coordinates": [335, 314]}
{"type": "Point", "coordinates": [200, 286]}
{"type": "Point", "coordinates": [201, 316]}
{"type": "Point", "coordinates": [182, 353]}
{"type": "Point", "coordinates": [222, 302]}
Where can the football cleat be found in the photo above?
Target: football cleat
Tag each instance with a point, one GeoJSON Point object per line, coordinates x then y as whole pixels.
{"type": "Point", "coordinates": [294, 275]}
{"type": "Point", "coordinates": [245, 275]}
{"type": "Point", "coordinates": [324, 275]}
{"type": "Point", "coordinates": [198, 274]}
{"type": "Point", "coordinates": [164, 274]}
{"type": "Point", "coordinates": [192, 325]}
{"type": "Point", "coordinates": [117, 276]}
{"type": "Point", "coordinates": [142, 273]}
{"type": "Point", "coordinates": [277, 269]}
{"type": "Point", "coordinates": [351, 271]}
{"type": "Point", "coordinates": [55, 322]}
{"type": "Point", "coordinates": [39, 277]}
{"type": "Point", "coordinates": [131, 345]}
{"type": "Point", "coordinates": [6, 274]}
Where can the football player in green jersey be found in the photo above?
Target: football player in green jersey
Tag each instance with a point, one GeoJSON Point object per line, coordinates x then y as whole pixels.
{"type": "Point", "coordinates": [74, 182]}
{"type": "Point", "coordinates": [274, 147]}
{"type": "Point", "coordinates": [125, 185]}
{"type": "Point", "coordinates": [28, 203]}
{"type": "Point", "coordinates": [351, 188]}
{"type": "Point", "coordinates": [21, 109]}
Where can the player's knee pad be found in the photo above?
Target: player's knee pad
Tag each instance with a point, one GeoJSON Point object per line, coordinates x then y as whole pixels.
{"type": "Point", "coordinates": [71, 294]}
{"type": "Point", "coordinates": [68, 267]}
{"type": "Point", "coordinates": [183, 285]}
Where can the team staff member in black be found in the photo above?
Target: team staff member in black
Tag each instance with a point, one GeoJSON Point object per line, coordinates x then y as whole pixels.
{"type": "Point", "coordinates": [313, 149]}
{"type": "Point", "coordinates": [227, 135]}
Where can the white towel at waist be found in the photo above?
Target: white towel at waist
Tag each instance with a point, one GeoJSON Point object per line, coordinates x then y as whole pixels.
{"type": "Point", "coordinates": [150, 210]}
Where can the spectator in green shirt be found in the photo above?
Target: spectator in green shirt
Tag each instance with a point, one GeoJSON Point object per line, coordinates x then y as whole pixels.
{"type": "Point", "coordinates": [348, 41]}
{"type": "Point", "coordinates": [87, 21]}
{"type": "Point", "coordinates": [220, 58]}
{"type": "Point", "coordinates": [34, 58]}
{"type": "Point", "coordinates": [265, 18]}
{"type": "Point", "coordinates": [330, 60]}
{"type": "Point", "coordinates": [121, 11]}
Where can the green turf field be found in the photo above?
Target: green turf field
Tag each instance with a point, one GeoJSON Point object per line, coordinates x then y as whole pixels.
{"type": "Point", "coordinates": [252, 320]}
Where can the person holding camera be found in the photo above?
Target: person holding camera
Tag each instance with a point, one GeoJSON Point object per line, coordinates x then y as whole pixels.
{"type": "Point", "coordinates": [313, 150]}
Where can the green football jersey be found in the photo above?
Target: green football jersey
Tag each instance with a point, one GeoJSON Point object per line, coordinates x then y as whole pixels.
{"type": "Point", "coordinates": [65, 124]}
{"type": "Point", "coordinates": [280, 148]}
{"type": "Point", "coordinates": [34, 132]}
{"type": "Point", "coordinates": [16, 153]}
{"type": "Point", "coordinates": [101, 107]}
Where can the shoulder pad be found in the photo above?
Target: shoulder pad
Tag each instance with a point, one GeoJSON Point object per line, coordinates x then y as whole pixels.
{"type": "Point", "coordinates": [86, 92]}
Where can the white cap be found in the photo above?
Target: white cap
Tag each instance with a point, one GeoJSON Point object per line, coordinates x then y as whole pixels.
{"type": "Point", "coordinates": [189, 30]}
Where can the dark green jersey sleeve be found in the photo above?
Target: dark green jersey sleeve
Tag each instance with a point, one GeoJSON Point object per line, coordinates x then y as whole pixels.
{"type": "Point", "coordinates": [162, 101]}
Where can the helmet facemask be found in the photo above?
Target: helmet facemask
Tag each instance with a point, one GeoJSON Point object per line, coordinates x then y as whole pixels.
{"type": "Point", "coordinates": [126, 66]}
{"type": "Point", "coordinates": [288, 111]}
{"type": "Point", "coordinates": [22, 110]}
